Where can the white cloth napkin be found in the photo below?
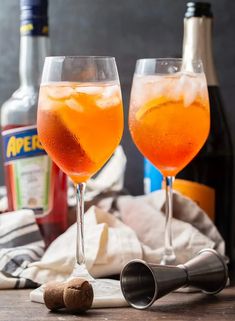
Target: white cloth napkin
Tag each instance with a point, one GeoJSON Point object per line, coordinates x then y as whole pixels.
{"type": "Point", "coordinates": [192, 229]}
{"type": "Point", "coordinates": [109, 243]}
{"type": "Point", "coordinates": [134, 230]}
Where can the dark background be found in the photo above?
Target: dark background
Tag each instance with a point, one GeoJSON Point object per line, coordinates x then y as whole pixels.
{"type": "Point", "coordinates": [126, 29]}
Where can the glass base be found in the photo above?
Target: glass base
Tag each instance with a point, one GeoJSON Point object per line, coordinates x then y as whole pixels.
{"type": "Point", "coordinates": [80, 271]}
{"type": "Point", "coordinates": [107, 292]}
{"type": "Point", "coordinates": [168, 257]}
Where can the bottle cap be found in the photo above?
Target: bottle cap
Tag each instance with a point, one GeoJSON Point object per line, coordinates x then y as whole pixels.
{"type": "Point", "coordinates": [34, 20]}
{"type": "Point", "coordinates": [198, 9]}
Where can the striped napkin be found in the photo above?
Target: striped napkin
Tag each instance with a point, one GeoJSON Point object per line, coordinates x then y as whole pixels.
{"type": "Point", "coordinates": [20, 244]}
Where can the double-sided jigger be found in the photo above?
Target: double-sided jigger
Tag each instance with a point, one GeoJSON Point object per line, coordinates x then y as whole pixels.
{"type": "Point", "coordinates": [144, 283]}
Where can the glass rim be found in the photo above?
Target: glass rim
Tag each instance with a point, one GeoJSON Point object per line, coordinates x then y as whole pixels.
{"type": "Point", "coordinates": [168, 59]}
{"type": "Point", "coordinates": [81, 57]}
{"type": "Point", "coordinates": [154, 66]}
{"type": "Point", "coordinates": [74, 68]}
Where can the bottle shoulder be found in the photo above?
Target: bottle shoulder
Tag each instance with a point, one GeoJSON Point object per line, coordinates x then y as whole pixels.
{"type": "Point", "coordinates": [21, 107]}
{"type": "Point", "coordinates": [23, 97]}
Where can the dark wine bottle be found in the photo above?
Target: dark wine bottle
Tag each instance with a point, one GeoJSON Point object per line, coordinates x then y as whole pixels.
{"type": "Point", "coordinates": [213, 166]}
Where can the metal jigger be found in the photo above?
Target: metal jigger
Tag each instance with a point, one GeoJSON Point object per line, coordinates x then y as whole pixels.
{"type": "Point", "coordinates": [144, 283]}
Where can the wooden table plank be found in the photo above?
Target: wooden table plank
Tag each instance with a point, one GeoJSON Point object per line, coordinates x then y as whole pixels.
{"type": "Point", "coordinates": [16, 306]}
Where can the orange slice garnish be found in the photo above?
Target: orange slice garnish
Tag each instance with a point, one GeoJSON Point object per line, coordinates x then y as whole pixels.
{"type": "Point", "coordinates": [152, 104]}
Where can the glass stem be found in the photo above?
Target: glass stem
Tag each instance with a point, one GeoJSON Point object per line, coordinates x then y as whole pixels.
{"type": "Point", "coordinates": [80, 253]}
{"type": "Point", "coordinates": [80, 269]}
{"type": "Point", "coordinates": [168, 255]}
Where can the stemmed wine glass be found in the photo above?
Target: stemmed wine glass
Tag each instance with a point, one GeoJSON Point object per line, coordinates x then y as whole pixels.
{"type": "Point", "coordinates": [169, 121]}
{"type": "Point", "coordinates": [80, 123]}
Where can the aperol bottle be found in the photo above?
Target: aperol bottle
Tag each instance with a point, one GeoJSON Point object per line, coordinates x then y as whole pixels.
{"type": "Point", "coordinates": [33, 181]}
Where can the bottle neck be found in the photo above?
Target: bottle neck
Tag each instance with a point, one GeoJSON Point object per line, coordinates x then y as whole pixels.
{"type": "Point", "coordinates": [33, 50]}
{"type": "Point", "coordinates": [197, 44]}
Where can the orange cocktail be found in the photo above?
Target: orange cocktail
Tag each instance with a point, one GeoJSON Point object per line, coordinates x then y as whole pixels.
{"type": "Point", "coordinates": [169, 118]}
{"type": "Point", "coordinates": [80, 125]}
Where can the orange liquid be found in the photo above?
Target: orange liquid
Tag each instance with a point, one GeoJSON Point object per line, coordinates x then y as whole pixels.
{"type": "Point", "coordinates": [168, 133]}
{"type": "Point", "coordinates": [80, 125]}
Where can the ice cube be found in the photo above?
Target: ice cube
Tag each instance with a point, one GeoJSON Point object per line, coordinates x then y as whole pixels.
{"type": "Point", "coordinates": [74, 104]}
{"type": "Point", "coordinates": [49, 104]}
{"type": "Point", "coordinates": [145, 88]}
{"type": "Point", "coordinates": [59, 92]}
{"type": "Point", "coordinates": [173, 88]}
{"type": "Point", "coordinates": [190, 90]}
{"type": "Point", "coordinates": [157, 87]}
{"type": "Point", "coordinates": [175, 92]}
{"type": "Point", "coordinates": [167, 86]}
{"type": "Point", "coordinates": [111, 91]}
{"type": "Point", "coordinates": [203, 87]}
{"type": "Point", "coordinates": [89, 90]}
{"type": "Point", "coordinates": [137, 92]}
{"type": "Point", "coordinates": [108, 102]}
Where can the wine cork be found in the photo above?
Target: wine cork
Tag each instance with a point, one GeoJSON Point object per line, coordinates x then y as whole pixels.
{"type": "Point", "coordinates": [53, 295]}
{"type": "Point", "coordinates": [78, 295]}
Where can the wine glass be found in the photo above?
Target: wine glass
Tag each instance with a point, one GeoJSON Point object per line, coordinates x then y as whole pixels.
{"type": "Point", "coordinates": [80, 123]}
{"type": "Point", "coordinates": [169, 120]}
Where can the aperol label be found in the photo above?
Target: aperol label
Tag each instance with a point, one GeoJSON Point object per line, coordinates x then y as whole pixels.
{"type": "Point", "coordinates": [21, 143]}
{"type": "Point", "coordinates": [29, 170]}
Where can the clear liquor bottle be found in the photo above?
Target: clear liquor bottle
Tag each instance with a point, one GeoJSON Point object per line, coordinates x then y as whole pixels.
{"type": "Point", "coordinates": [33, 181]}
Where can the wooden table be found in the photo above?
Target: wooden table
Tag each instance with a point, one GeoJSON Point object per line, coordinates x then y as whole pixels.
{"type": "Point", "coordinates": [15, 305]}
